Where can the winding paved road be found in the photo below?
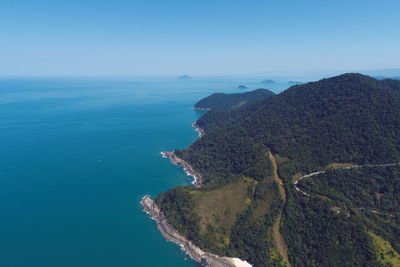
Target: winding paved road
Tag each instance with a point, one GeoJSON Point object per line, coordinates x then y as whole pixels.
{"type": "Point", "coordinates": [340, 168]}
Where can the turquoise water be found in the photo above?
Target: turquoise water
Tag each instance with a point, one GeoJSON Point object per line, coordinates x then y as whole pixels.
{"type": "Point", "coordinates": [76, 157]}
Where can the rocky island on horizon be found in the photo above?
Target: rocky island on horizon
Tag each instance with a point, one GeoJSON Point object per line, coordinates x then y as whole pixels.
{"type": "Point", "coordinates": [268, 81]}
{"type": "Point", "coordinates": [185, 77]}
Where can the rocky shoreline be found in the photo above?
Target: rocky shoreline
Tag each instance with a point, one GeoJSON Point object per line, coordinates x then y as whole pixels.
{"type": "Point", "coordinates": [171, 234]}
{"type": "Point", "coordinates": [198, 129]}
{"type": "Point", "coordinates": [206, 109]}
{"type": "Point", "coordinates": [197, 179]}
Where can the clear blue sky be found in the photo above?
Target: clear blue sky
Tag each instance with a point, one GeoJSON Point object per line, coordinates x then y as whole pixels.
{"type": "Point", "coordinates": [169, 37]}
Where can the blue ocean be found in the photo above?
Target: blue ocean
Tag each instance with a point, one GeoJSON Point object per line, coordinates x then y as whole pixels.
{"type": "Point", "coordinates": [77, 155]}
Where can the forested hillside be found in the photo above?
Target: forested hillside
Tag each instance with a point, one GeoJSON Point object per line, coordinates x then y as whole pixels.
{"type": "Point", "coordinates": [348, 118]}
{"type": "Point", "coordinates": [220, 100]}
{"type": "Point", "coordinates": [335, 122]}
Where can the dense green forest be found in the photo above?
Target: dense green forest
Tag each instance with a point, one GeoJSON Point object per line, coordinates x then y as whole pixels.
{"type": "Point", "coordinates": [220, 100]}
{"type": "Point", "coordinates": [222, 157]}
{"type": "Point", "coordinates": [317, 236]}
{"type": "Point", "coordinates": [375, 188]}
{"type": "Point", "coordinates": [355, 203]}
{"type": "Point", "coordinates": [348, 118]}
{"type": "Point", "coordinates": [351, 220]}
{"type": "Point", "coordinates": [371, 192]}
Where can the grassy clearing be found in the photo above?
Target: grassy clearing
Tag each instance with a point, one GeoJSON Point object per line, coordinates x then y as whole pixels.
{"type": "Point", "coordinates": [218, 209]}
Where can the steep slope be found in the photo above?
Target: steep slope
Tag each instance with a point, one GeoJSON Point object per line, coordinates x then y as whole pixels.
{"type": "Point", "coordinates": [348, 119]}
{"type": "Point", "coordinates": [220, 100]}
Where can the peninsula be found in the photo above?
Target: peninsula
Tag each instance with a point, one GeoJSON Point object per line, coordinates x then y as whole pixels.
{"type": "Point", "coordinates": [171, 234]}
{"type": "Point", "coordinates": [308, 177]}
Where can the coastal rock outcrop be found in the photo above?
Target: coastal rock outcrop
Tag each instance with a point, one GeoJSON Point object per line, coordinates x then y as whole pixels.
{"type": "Point", "coordinates": [197, 181]}
{"type": "Point", "coordinates": [171, 234]}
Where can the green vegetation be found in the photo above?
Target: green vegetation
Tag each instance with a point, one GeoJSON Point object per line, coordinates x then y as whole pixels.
{"type": "Point", "coordinates": [375, 188]}
{"type": "Point", "coordinates": [385, 254]}
{"type": "Point", "coordinates": [252, 235]}
{"type": "Point", "coordinates": [369, 192]}
{"type": "Point", "coordinates": [332, 123]}
{"type": "Point", "coordinates": [316, 235]}
{"type": "Point", "coordinates": [216, 221]}
{"type": "Point", "coordinates": [222, 157]}
{"type": "Point", "coordinates": [234, 220]}
{"type": "Point", "coordinates": [219, 100]}
{"type": "Point", "coordinates": [178, 206]}
{"type": "Point", "coordinates": [350, 118]}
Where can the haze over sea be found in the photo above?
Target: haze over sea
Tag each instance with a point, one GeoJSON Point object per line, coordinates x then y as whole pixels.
{"type": "Point", "coordinates": [77, 155]}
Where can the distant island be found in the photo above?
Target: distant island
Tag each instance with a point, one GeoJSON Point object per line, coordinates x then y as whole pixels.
{"type": "Point", "coordinates": [184, 77]}
{"type": "Point", "coordinates": [294, 82]}
{"type": "Point", "coordinates": [308, 177]}
{"type": "Point", "coordinates": [268, 81]}
{"type": "Point", "coordinates": [230, 101]}
{"type": "Point", "coordinates": [242, 87]}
